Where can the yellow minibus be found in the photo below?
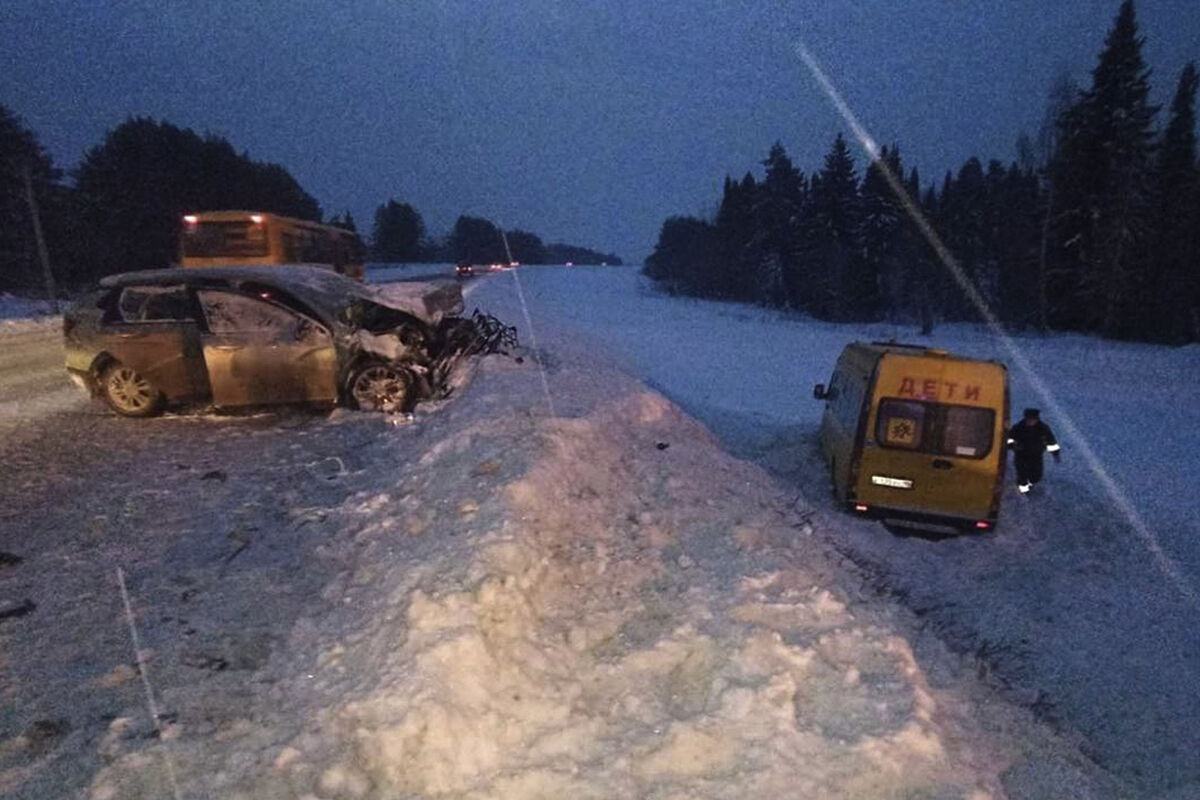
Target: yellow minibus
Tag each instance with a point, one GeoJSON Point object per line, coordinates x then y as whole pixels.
{"type": "Point", "coordinates": [222, 238]}
{"type": "Point", "coordinates": [914, 436]}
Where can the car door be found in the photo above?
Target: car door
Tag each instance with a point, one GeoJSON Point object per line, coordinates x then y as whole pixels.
{"type": "Point", "coordinates": [156, 333]}
{"type": "Point", "coordinates": [259, 352]}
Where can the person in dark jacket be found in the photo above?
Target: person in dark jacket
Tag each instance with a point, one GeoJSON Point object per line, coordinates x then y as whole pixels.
{"type": "Point", "coordinates": [1028, 439]}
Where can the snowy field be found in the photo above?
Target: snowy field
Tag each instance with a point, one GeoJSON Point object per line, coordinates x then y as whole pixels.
{"type": "Point", "coordinates": [386, 273]}
{"type": "Point", "coordinates": [1064, 605]}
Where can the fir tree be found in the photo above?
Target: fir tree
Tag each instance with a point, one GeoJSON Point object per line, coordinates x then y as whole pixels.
{"type": "Point", "coordinates": [882, 233]}
{"type": "Point", "coordinates": [965, 229]}
{"type": "Point", "coordinates": [1102, 175]}
{"type": "Point", "coordinates": [477, 241]}
{"type": "Point", "coordinates": [1016, 225]}
{"type": "Point", "coordinates": [929, 274]}
{"type": "Point", "coordinates": [912, 299]}
{"type": "Point", "coordinates": [398, 233]}
{"type": "Point", "coordinates": [1173, 295]}
{"type": "Point", "coordinates": [527, 248]}
{"type": "Point", "coordinates": [737, 238]}
{"type": "Point", "coordinates": [832, 240]}
{"type": "Point", "coordinates": [780, 204]}
{"type": "Point", "coordinates": [684, 250]}
{"type": "Point", "coordinates": [1062, 98]}
{"type": "Point", "coordinates": [20, 151]}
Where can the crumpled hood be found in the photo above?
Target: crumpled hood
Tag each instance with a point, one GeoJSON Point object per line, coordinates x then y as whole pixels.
{"type": "Point", "coordinates": [431, 301]}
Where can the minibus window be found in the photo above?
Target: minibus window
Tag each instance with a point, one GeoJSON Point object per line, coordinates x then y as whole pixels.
{"type": "Point", "coordinates": [945, 430]}
{"type": "Point", "coordinates": [967, 431]}
{"type": "Point", "coordinates": [901, 424]}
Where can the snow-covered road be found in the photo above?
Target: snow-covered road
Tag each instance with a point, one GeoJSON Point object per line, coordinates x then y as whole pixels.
{"type": "Point", "coordinates": [32, 378]}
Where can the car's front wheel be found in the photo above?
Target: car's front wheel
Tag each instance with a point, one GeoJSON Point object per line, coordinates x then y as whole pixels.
{"type": "Point", "coordinates": [130, 393]}
{"type": "Point", "coordinates": [381, 387]}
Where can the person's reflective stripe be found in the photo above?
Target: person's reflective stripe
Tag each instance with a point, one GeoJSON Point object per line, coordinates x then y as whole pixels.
{"type": "Point", "coordinates": [1024, 487]}
{"type": "Point", "coordinates": [1012, 441]}
{"type": "Point", "coordinates": [1053, 448]}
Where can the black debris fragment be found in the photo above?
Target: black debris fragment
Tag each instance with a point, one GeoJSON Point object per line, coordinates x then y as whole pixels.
{"type": "Point", "coordinates": [214, 475]}
{"type": "Point", "coordinates": [662, 445]}
{"type": "Point", "coordinates": [44, 734]}
{"type": "Point", "coordinates": [478, 335]}
{"type": "Point", "coordinates": [12, 610]}
{"type": "Point", "coordinates": [461, 337]}
{"type": "Point", "coordinates": [205, 661]}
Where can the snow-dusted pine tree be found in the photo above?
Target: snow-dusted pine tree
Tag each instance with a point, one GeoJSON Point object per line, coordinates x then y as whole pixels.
{"type": "Point", "coordinates": [1102, 178]}
{"type": "Point", "coordinates": [779, 210]}
{"type": "Point", "coordinates": [1175, 256]}
{"type": "Point", "coordinates": [883, 259]}
{"type": "Point", "coordinates": [832, 238]}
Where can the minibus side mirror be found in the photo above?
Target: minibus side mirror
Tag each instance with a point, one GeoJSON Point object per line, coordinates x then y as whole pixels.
{"type": "Point", "coordinates": [819, 391]}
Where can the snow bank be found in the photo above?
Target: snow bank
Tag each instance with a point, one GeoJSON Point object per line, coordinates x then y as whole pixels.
{"type": "Point", "coordinates": [22, 314]}
{"type": "Point", "coordinates": [577, 655]}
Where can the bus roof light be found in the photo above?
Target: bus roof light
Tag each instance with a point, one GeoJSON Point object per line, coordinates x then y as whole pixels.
{"type": "Point", "coordinates": [257, 219]}
{"type": "Point", "coordinates": [191, 219]}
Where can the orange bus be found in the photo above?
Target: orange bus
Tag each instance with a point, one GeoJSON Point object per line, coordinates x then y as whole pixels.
{"type": "Point", "coordinates": [219, 238]}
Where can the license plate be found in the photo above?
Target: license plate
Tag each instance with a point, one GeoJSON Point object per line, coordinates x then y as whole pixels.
{"type": "Point", "coordinates": [895, 483]}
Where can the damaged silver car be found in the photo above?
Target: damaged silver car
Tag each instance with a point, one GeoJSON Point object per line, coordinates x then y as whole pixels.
{"type": "Point", "coordinates": [245, 336]}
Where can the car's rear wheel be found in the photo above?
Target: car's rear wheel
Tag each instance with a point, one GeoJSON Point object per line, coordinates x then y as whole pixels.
{"type": "Point", "coordinates": [130, 393]}
{"type": "Point", "coordinates": [381, 387]}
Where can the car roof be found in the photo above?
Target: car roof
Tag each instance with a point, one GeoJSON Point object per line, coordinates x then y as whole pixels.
{"type": "Point", "coordinates": [322, 289]}
{"type": "Point", "coordinates": [283, 275]}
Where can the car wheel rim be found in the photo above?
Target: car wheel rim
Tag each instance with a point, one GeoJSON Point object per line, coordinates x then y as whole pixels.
{"type": "Point", "coordinates": [380, 389]}
{"type": "Point", "coordinates": [129, 390]}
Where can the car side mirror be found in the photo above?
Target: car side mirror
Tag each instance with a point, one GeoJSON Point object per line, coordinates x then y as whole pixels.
{"type": "Point", "coordinates": [819, 392]}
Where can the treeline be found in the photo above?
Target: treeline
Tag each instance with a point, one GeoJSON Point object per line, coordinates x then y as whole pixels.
{"type": "Point", "coordinates": [121, 209]}
{"type": "Point", "coordinates": [399, 236]}
{"type": "Point", "coordinates": [1095, 228]}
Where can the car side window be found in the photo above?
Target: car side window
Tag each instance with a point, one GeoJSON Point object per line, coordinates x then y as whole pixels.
{"type": "Point", "coordinates": [226, 312]}
{"type": "Point", "coordinates": [155, 304]}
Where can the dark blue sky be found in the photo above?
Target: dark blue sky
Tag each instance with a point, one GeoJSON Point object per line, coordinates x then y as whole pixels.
{"type": "Point", "coordinates": [585, 121]}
